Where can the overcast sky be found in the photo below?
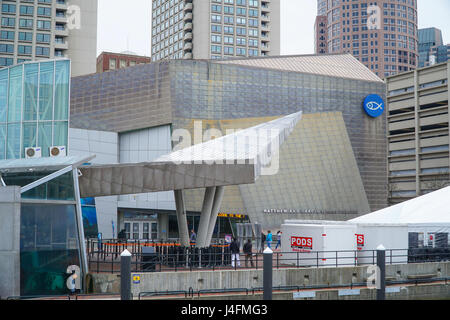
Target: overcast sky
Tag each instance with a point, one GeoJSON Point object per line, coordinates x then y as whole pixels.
{"type": "Point", "coordinates": [127, 27]}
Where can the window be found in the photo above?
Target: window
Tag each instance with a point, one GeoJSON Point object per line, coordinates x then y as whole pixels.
{"type": "Point", "coordinates": [112, 64]}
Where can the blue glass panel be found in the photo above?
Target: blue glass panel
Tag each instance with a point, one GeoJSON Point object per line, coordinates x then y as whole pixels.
{"type": "Point", "coordinates": [90, 221]}
{"type": "Point", "coordinates": [46, 91]}
{"type": "Point", "coordinates": [62, 76]}
{"type": "Point", "coordinates": [45, 137]}
{"type": "Point", "coordinates": [60, 133]}
{"type": "Point", "coordinates": [15, 94]}
{"type": "Point", "coordinates": [88, 201]}
{"type": "Point", "coordinates": [3, 94]}
{"type": "Point", "coordinates": [31, 91]}
{"type": "Point", "coordinates": [29, 135]}
{"type": "Point", "coordinates": [2, 141]}
{"type": "Point", "coordinates": [13, 141]}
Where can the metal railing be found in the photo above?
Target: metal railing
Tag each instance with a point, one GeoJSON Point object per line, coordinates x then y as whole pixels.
{"type": "Point", "coordinates": [172, 257]}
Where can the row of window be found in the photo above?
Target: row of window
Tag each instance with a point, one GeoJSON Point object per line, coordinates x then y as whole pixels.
{"type": "Point", "coordinates": [230, 40]}
{"type": "Point", "coordinates": [232, 10]}
{"type": "Point", "coordinates": [29, 23]}
{"type": "Point", "coordinates": [27, 50]}
{"type": "Point", "coordinates": [26, 10]}
{"type": "Point", "coordinates": [217, 49]}
{"type": "Point", "coordinates": [231, 30]}
{"type": "Point", "coordinates": [28, 36]}
{"type": "Point", "coordinates": [231, 20]}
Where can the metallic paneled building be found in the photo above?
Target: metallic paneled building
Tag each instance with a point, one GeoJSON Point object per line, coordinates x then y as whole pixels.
{"type": "Point", "coordinates": [340, 172]}
{"type": "Point", "coordinates": [418, 132]}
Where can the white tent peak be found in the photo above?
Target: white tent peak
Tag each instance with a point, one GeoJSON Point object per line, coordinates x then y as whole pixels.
{"type": "Point", "coordinates": [429, 213]}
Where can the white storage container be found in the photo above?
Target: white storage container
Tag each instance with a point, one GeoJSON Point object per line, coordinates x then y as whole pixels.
{"type": "Point", "coordinates": [393, 237]}
{"type": "Point", "coordinates": [318, 244]}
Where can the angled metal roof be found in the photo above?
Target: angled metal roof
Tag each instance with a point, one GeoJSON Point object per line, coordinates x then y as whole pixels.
{"type": "Point", "coordinates": [43, 164]}
{"type": "Point", "coordinates": [333, 65]}
{"type": "Point", "coordinates": [234, 159]}
{"type": "Point", "coordinates": [254, 145]}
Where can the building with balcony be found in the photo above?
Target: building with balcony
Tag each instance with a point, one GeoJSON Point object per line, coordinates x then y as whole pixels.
{"type": "Point", "coordinates": [418, 132]}
{"type": "Point", "coordinates": [382, 35]}
{"type": "Point", "coordinates": [37, 29]}
{"type": "Point", "coordinates": [215, 29]}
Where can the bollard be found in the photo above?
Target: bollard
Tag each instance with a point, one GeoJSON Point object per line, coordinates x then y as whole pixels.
{"type": "Point", "coordinates": [125, 275]}
{"type": "Point", "coordinates": [267, 274]}
{"type": "Point", "coordinates": [381, 264]}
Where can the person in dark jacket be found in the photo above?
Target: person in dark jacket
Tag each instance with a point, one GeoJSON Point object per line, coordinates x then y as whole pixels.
{"type": "Point", "coordinates": [235, 251]}
{"type": "Point", "coordinates": [263, 240]}
{"type": "Point", "coordinates": [248, 253]}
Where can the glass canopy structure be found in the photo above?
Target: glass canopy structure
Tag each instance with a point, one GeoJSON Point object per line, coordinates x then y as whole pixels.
{"type": "Point", "coordinates": [34, 107]}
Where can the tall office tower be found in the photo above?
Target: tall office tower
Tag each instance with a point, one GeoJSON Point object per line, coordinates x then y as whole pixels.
{"type": "Point", "coordinates": [382, 35]}
{"type": "Point", "coordinates": [45, 29]}
{"type": "Point", "coordinates": [215, 29]}
{"type": "Point", "coordinates": [431, 47]}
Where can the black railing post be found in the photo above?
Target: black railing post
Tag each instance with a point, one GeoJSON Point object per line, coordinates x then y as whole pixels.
{"type": "Point", "coordinates": [125, 275]}
{"type": "Point", "coordinates": [381, 264]}
{"type": "Point", "coordinates": [267, 274]}
{"type": "Point", "coordinates": [337, 264]}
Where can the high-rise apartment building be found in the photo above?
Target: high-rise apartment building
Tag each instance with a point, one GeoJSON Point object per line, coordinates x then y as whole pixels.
{"type": "Point", "coordinates": [382, 35]}
{"type": "Point", "coordinates": [431, 47]}
{"type": "Point", "coordinates": [45, 29]}
{"type": "Point", "coordinates": [215, 29]}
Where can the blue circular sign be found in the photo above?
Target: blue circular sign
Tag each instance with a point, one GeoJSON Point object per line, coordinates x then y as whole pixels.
{"type": "Point", "coordinates": [374, 105]}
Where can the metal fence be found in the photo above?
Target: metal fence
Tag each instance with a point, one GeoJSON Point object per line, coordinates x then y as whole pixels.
{"type": "Point", "coordinates": [170, 256]}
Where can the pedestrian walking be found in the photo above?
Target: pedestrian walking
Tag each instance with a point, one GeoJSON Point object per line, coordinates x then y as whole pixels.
{"type": "Point", "coordinates": [248, 253]}
{"type": "Point", "coordinates": [278, 240]}
{"type": "Point", "coordinates": [235, 251]}
{"type": "Point", "coordinates": [263, 240]}
{"type": "Point", "coordinates": [193, 238]}
{"type": "Point", "coordinates": [269, 239]}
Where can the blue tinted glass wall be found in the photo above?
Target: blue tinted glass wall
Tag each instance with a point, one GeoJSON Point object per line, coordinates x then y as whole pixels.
{"type": "Point", "coordinates": [34, 107]}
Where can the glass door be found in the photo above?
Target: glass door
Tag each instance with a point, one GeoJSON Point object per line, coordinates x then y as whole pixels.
{"type": "Point", "coordinates": [136, 230]}
{"type": "Point", "coordinates": [141, 230]}
{"type": "Point", "coordinates": [154, 233]}
{"type": "Point", "coordinates": [127, 230]}
{"type": "Point", "coordinates": [145, 230]}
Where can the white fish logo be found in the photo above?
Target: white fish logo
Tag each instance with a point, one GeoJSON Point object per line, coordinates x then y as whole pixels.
{"type": "Point", "coordinates": [374, 106]}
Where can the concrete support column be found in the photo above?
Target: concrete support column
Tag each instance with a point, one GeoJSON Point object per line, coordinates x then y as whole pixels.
{"type": "Point", "coordinates": [218, 196]}
{"type": "Point", "coordinates": [181, 218]}
{"type": "Point", "coordinates": [208, 203]}
{"type": "Point", "coordinates": [9, 241]}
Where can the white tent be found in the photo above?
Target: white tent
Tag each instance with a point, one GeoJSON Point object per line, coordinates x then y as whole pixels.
{"type": "Point", "coordinates": [429, 213]}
